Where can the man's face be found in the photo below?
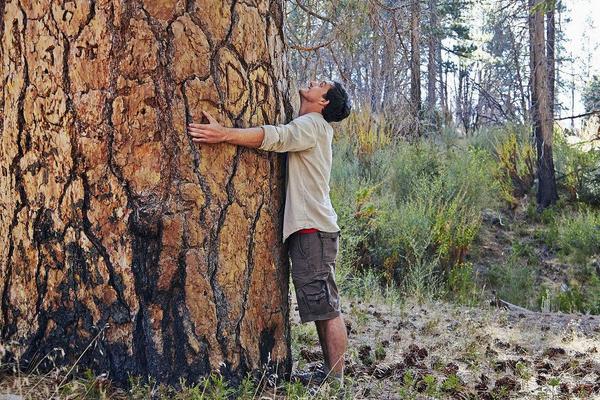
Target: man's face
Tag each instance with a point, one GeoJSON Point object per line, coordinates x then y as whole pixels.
{"type": "Point", "coordinates": [316, 91]}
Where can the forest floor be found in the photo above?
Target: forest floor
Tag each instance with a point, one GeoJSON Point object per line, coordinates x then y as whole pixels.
{"type": "Point", "coordinates": [438, 350]}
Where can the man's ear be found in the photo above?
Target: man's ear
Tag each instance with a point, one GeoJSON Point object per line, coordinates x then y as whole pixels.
{"type": "Point", "coordinates": [323, 102]}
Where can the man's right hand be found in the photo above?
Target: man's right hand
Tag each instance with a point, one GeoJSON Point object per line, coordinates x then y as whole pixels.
{"type": "Point", "coordinates": [213, 132]}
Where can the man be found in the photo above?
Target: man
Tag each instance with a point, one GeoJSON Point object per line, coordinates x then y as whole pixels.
{"type": "Point", "coordinates": [310, 222]}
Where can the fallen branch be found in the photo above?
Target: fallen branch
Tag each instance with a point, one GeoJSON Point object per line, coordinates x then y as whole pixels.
{"type": "Point", "coordinates": [498, 302]}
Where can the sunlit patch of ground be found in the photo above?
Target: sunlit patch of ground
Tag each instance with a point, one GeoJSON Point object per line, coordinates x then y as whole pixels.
{"type": "Point", "coordinates": [437, 350]}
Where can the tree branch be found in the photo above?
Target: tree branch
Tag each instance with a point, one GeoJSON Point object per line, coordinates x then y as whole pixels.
{"type": "Point", "coordinates": [579, 116]}
{"type": "Point", "coordinates": [312, 48]}
{"type": "Point", "coordinates": [314, 14]}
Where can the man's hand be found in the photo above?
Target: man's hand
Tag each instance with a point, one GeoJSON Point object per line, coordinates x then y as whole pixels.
{"type": "Point", "coordinates": [213, 132]}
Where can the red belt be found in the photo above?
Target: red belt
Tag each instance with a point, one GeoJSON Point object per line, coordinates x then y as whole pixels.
{"type": "Point", "coordinates": [308, 230]}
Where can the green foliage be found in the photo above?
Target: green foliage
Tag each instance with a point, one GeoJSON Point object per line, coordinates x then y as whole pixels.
{"type": "Point", "coordinates": [513, 282]}
{"type": "Point", "coordinates": [412, 211]}
{"type": "Point", "coordinates": [296, 391]}
{"type": "Point", "coordinates": [213, 387]}
{"type": "Point", "coordinates": [591, 94]}
{"type": "Point", "coordinates": [303, 335]}
{"type": "Point", "coordinates": [522, 371]}
{"type": "Point", "coordinates": [576, 235]}
{"type": "Point", "coordinates": [515, 155]}
{"type": "Point", "coordinates": [379, 352]}
{"type": "Point", "coordinates": [577, 169]}
{"type": "Point", "coordinates": [430, 385]}
{"type": "Point", "coordinates": [462, 285]}
{"type": "Point", "coordinates": [580, 295]}
{"type": "Point", "coordinates": [451, 383]}
{"type": "Point", "coordinates": [247, 389]}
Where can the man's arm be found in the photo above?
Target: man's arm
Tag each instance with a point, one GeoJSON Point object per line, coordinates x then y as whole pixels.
{"type": "Point", "coordinates": [213, 132]}
{"type": "Point", "coordinates": [298, 135]}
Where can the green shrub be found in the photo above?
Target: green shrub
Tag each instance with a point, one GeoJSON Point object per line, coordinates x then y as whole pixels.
{"type": "Point", "coordinates": [580, 296]}
{"type": "Point", "coordinates": [577, 169]}
{"type": "Point", "coordinates": [513, 282]}
{"type": "Point", "coordinates": [515, 169]}
{"type": "Point", "coordinates": [576, 235]}
{"type": "Point", "coordinates": [410, 211]}
{"type": "Point", "coordinates": [462, 285]}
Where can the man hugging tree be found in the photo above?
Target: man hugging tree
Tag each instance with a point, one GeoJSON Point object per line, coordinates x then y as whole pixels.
{"type": "Point", "coordinates": [310, 222]}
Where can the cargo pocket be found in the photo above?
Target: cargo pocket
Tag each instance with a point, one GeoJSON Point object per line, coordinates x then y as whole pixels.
{"type": "Point", "coordinates": [329, 246]}
{"type": "Point", "coordinates": [316, 297]}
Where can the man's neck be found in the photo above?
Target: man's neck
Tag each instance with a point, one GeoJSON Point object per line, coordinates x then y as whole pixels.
{"type": "Point", "coordinates": [306, 108]}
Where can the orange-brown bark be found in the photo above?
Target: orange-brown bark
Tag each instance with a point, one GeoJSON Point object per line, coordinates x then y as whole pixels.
{"type": "Point", "coordinates": [110, 214]}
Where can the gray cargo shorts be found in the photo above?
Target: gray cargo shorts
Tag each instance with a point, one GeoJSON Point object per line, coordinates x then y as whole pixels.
{"type": "Point", "coordinates": [313, 273]}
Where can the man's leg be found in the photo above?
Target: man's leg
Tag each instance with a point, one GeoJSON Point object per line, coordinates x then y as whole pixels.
{"type": "Point", "coordinates": [334, 343]}
{"type": "Point", "coordinates": [323, 342]}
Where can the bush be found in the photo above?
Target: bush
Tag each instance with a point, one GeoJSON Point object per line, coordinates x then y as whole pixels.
{"type": "Point", "coordinates": [410, 211]}
{"type": "Point", "coordinates": [514, 282]}
{"type": "Point", "coordinates": [462, 284]}
{"type": "Point", "coordinates": [577, 169]}
{"type": "Point", "coordinates": [515, 160]}
{"type": "Point", "coordinates": [576, 235]}
{"type": "Point", "coordinates": [579, 296]}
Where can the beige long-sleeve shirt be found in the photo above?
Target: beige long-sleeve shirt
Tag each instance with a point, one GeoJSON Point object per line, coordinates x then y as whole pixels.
{"type": "Point", "coordinates": [307, 139]}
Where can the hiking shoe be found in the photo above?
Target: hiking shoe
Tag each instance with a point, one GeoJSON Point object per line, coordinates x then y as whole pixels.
{"type": "Point", "coordinates": [307, 378]}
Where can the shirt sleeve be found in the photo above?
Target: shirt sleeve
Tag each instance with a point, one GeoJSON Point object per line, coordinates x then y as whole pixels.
{"type": "Point", "coordinates": [298, 135]}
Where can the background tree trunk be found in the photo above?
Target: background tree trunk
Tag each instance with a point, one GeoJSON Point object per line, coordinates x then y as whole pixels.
{"type": "Point", "coordinates": [541, 110]}
{"type": "Point", "coordinates": [415, 65]}
{"type": "Point", "coordinates": [109, 214]}
{"type": "Point", "coordinates": [432, 60]}
{"type": "Point", "coordinates": [551, 54]}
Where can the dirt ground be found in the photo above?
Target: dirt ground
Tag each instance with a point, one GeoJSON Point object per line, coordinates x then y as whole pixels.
{"type": "Point", "coordinates": [493, 353]}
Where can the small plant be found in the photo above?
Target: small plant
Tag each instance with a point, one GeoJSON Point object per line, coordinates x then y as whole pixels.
{"type": "Point", "coordinates": [451, 383]}
{"type": "Point", "coordinates": [360, 316]}
{"type": "Point", "coordinates": [577, 235]}
{"type": "Point", "coordinates": [430, 382]}
{"type": "Point", "coordinates": [296, 391]}
{"type": "Point", "coordinates": [408, 379]}
{"type": "Point", "coordinates": [462, 286]}
{"type": "Point", "coordinates": [522, 371]}
{"type": "Point", "coordinates": [247, 389]}
{"type": "Point", "coordinates": [430, 326]}
{"type": "Point", "coordinates": [380, 353]}
{"type": "Point", "coordinates": [305, 334]}
{"type": "Point", "coordinates": [217, 388]}
{"type": "Point", "coordinates": [553, 382]}
{"type": "Point", "coordinates": [406, 390]}
{"type": "Point", "coordinates": [471, 354]}
{"type": "Point", "coordinates": [515, 169]}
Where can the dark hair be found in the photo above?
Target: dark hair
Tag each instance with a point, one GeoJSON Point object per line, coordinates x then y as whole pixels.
{"type": "Point", "coordinates": [339, 103]}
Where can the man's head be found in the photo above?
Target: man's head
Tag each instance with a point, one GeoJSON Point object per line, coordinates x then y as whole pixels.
{"type": "Point", "coordinates": [327, 97]}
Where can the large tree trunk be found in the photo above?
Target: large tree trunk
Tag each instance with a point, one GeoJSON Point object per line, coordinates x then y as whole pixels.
{"type": "Point", "coordinates": [541, 110]}
{"type": "Point", "coordinates": [115, 229]}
